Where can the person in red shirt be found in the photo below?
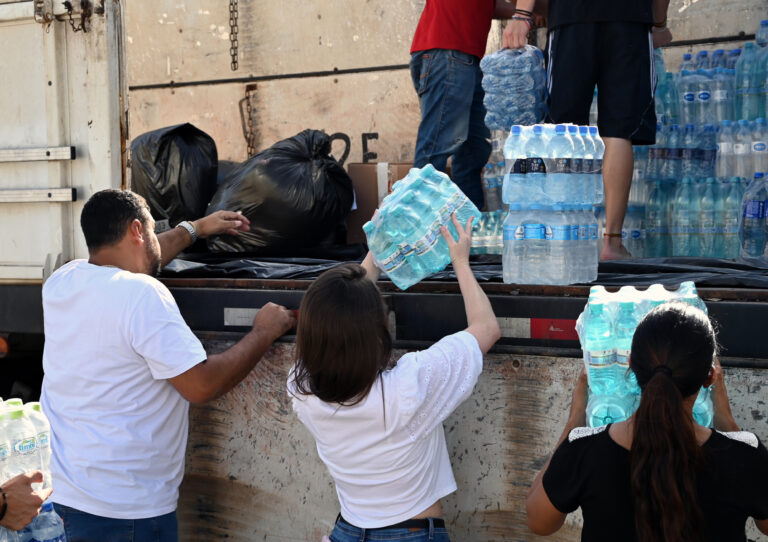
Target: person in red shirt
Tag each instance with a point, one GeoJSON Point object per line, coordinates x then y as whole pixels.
{"type": "Point", "coordinates": [447, 47]}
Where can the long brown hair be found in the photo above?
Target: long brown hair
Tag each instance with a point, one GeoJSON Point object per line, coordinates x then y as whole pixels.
{"type": "Point", "coordinates": [672, 352]}
{"type": "Point", "coordinates": [342, 339]}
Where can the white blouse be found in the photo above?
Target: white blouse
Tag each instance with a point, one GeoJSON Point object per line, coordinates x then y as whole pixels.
{"type": "Point", "coordinates": [387, 454]}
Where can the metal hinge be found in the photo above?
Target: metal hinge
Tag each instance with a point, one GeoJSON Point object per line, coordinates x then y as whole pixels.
{"type": "Point", "coordinates": [43, 11]}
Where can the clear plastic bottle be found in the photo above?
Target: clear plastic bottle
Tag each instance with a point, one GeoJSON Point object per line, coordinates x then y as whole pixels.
{"type": "Point", "coordinates": [588, 164]}
{"type": "Point", "coordinates": [752, 227]}
{"type": "Point", "coordinates": [597, 170]}
{"type": "Point", "coordinates": [687, 89]}
{"type": "Point", "coordinates": [687, 63]}
{"type": "Point", "coordinates": [718, 59]}
{"type": "Point", "coordinates": [671, 99]}
{"type": "Point", "coordinates": [703, 409]}
{"type": "Point", "coordinates": [514, 235]}
{"type": "Point", "coordinates": [707, 151]}
{"type": "Point", "coordinates": [702, 60]}
{"type": "Point", "coordinates": [626, 323]}
{"type": "Point", "coordinates": [760, 147]}
{"type": "Point", "coordinates": [725, 157]}
{"type": "Point", "coordinates": [684, 220]}
{"type": "Point", "coordinates": [657, 234]}
{"type": "Point", "coordinates": [673, 159]}
{"type": "Point", "coordinates": [46, 527]}
{"type": "Point", "coordinates": [536, 178]}
{"type": "Point", "coordinates": [761, 36]}
{"type": "Point", "coordinates": [559, 246]}
{"type": "Point", "coordinates": [580, 181]}
{"type": "Point", "coordinates": [722, 96]}
{"type": "Point", "coordinates": [746, 91]}
{"type": "Point", "coordinates": [605, 409]}
{"type": "Point", "coordinates": [733, 58]}
{"type": "Point", "coordinates": [742, 151]}
{"type": "Point", "coordinates": [731, 212]}
{"type": "Point", "coordinates": [707, 220]}
{"type": "Point", "coordinates": [600, 355]}
{"type": "Point", "coordinates": [704, 102]}
{"type": "Point", "coordinates": [23, 438]}
{"type": "Point", "coordinates": [513, 188]}
{"type": "Point", "coordinates": [536, 268]}
{"type": "Point", "coordinates": [689, 166]}
{"type": "Point", "coordinates": [559, 175]}
{"type": "Point", "coordinates": [593, 109]}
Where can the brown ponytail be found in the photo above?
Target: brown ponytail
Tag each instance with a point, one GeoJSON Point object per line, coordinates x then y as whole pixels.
{"type": "Point", "coordinates": [672, 352]}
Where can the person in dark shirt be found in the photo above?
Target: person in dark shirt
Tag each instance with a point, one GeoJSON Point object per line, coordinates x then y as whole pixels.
{"type": "Point", "coordinates": [608, 43]}
{"type": "Point", "coordinates": [658, 476]}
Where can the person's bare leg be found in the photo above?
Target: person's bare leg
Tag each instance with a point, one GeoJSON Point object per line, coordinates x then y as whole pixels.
{"type": "Point", "coordinates": [618, 164]}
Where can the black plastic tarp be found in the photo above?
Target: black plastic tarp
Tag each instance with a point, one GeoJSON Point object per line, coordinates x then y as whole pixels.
{"type": "Point", "coordinates": [671, 271]}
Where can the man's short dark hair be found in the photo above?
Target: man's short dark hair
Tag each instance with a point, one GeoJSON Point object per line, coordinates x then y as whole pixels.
{"type": "Point", "coordinates": [107, 215]}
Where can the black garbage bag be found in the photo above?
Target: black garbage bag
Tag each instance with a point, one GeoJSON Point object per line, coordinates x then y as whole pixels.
{"type": "Point", "coordinates": [175, 169]}
{"type": "Point", "coordinates": [294, 193]}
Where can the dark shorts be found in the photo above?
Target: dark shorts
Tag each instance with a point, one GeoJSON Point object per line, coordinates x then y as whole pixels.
{"type": "Point", "coordinates": [618, 58]}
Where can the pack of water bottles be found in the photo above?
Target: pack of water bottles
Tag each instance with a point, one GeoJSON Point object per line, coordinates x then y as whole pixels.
{"type": "Point", "coordinates": [24, 447]}
{"type": "Point", "coordinates": [404, 236]}
{"type": "Point", "coordinates": [752, 231]}
{"type": "Point", "coordinates": [605, 329]}
{"type": "Point", "coordinates": [514, 81]}
{"type": "Point", "coordinates": [553, 178]}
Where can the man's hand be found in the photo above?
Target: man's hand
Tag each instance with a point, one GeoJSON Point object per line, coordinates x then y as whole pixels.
{"type": "Point", "coordinates": [273, 321]}
{"type": "Point", "coordinates": [23, 503]}
{"type": "Point", "coordinates": [515, 34]}
{"type": "Point", "coordinates": [222, 222]}
{"type": "Point", "coordinates": [661, 37]}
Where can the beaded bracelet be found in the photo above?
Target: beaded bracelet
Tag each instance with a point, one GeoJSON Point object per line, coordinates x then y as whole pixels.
{"type": "Point", "coordinates": [526, 19]}
{"type": "Point", "coordinates": [4, 508]}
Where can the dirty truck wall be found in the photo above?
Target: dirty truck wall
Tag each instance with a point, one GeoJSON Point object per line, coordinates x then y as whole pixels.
{"type": "Point", "coordinates": [253, 473]}
{"type": "Point", "coordinates": [338, 66]}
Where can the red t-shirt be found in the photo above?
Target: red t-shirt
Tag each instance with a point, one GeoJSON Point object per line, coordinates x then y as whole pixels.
{"type": "Point", "coordinates": [454, 24]}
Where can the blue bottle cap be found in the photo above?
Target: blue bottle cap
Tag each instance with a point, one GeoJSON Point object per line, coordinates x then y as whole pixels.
{"type": "Point", "coordinates": [759, 175]}
{"type": "Point", "coordinates": [516, 130]}
{"type": "Point", "coordinates": [560, 129]}
{"type": "Point", "coordinates": [687, 180]}
{"type": "Point", "coordinates": [725, 123]}
{"type": "Point", "coordinates": [764, 22]}
{"type": "Point", "coordinates": [562, 207]}
{"type": "Point", "coordinates": [47, 506]}
{"type": "Point", "coordinates": [687, 56]}
{"type": "Point", "coordinates": [535, 207]}
{"type": "Point", "coordinates": [760, 120]}
{"type": "Point", "coordinates": [736, 51]}
{"type": "Point", "coordinates": [583, 130]}
{"type": "Point", "coordinates": [743, 122]}
{"type": "Point", "coordinates": [719, 51]}
{"type": "Point", "coordinates": [537, 129]}
{"type": "Point", "coordinates": [593, 130]}
{"type": "Point", "coordinates": [572, 129]}
{"type": "Point", "coordinates": [675, 127]}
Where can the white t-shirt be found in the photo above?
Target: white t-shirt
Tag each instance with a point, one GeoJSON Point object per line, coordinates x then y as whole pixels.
{"type": "Point", "coordinates": [118, 427]}
{"type": "Point", "coordinates": [388, 472]}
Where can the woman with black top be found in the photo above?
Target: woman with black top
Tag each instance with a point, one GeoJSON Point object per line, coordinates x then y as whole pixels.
{"type": "Point", "coordinates": [658, 476]}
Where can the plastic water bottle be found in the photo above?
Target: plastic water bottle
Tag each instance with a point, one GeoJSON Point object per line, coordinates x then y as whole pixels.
{"type": "Point", "coordinates": [733, 58]}
{"type": "Point", "coordinates": [752, 230]}
{"type": "Point", "coordinates": [536, 178]}
{"type": "Point", "coordinates": [537, 267]}
{"type": "Point", "coordinates": [688, 158]}
{"type": "Point", "coordinates": [725, 158]}
{"type": "Point", "coordinates": [703, 409]}
{"type": "Point", "coordinates": [704, 102]}
{"type": "Point", "coordinates": [46, 527]}
{"type": "Point", "coordinates": [722, 96]}
{"type": "Point", "coordinates": [635, 225]}
{"type": "Point", "coordinates": [742, 150]}
{"type": "Point", "coordinates": [687, 89]}
{"type": "Point", "coordinates": [687, 63]}
{"type": "Point", "coordinates": [706, 153]}
{"type": "Point", "coordinates": [731, 213]}
{"type": "Point", "coordinates": [671, 99]}
{"type": "Point", "coordinates": [702, 60]}
{"type": "Point", "coordinates": [23, 438]}
{"type": "Point", "coordinates": [600, 355]}
{"type": "Point", "coordinates": [514, 188]}
{"type": "Point", "coordinates": [593, 109]}
{"type": "Point", "coordinates": [657, 234]}
{"type": "Point", "coordinates": [746, 92]}
{"type": "Point", "coordinates": [760, 146]}
{"type": "Point", "coordinates": [761, 36]}
{"type": "Point", "coordinates": [626, 323]}
{"type": "Point", "coordinates": [559, 246]}
{"type": "Point", "coordinates": [559, 175]}
{"type": "Point", "coordinates": [514, 236]}
{"type": "Point", "coordinates": [34, 412]}
{"type": "Point", "coordinates": [597, 169]}
{"type": "Point", "coordinates": [684, 220]}
{"type": "Point", "coordinates": [718, 59]}
{"type": "Point", "coordinates": [605, 409]}
{"type": "Point", "coordinates": [673, 159]}
{"type": "Point", "coordinates": [707, 222]}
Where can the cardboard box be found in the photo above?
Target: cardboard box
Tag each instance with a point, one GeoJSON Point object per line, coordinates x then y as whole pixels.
{"type": "Point", "coordinates": [372, 181]}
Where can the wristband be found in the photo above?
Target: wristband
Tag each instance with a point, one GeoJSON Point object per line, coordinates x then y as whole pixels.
{"type": "Point", "coordinates": [658, 29]}
{"type": "Point", "coordinates": [662, 24]}
{"type": "Point", "coordinates": [526, 19]}
{"type": "Point", "coordinates": [4, 508]}
{"type": "Point", "coordinates": [524, 12]}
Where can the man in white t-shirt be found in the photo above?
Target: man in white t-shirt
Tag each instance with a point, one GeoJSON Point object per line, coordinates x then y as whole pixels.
{"type": "Point", "coordinates": [120, 368]}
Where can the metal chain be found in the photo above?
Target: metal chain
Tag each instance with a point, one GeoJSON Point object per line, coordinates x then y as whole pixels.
{"type": "Point", "coordinates": [251, 137]}
{"type": "Point", "coordinates": [233, 29]}
{"type": "Point", "coordinates": [85, 14]}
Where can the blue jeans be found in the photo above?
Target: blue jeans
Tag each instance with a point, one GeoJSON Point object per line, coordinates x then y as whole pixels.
{"type": "Point", "coordinates": [84, 527]}
{"type": "Point", "coordinates": [452, 117]}
{"type": "Point", "coordinates": [344, 532]}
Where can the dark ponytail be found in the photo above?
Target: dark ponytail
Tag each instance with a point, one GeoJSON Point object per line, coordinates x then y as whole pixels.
{"type": "Point", "coordinates": [672, 353]}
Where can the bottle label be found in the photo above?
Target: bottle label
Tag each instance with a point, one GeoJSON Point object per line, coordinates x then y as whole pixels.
{"type": "Point", "coordinates": [720, 95]}
{"type": "Point", "coordinates": [587, 165]}
{"type": "Point", "coordinates": [577, 165]}
{"type": "Point", "coordinates": [575, 232]}
{"type": "Point", "coordinates": [535, 231]}
{"type": "Point", "coordinates": [754, 209]}
{"type": "Point", "coordinates": [519, 166]}
{"type": "Point", "coordinates": [661, 230]}
{"type": "Point", "coordinates": [597, 165]}
{"type": "Point", "coordinates": [583, 231]}
{"type": "Point", "coordinates": [703, 96]}
{"type": "Point", "coordinates": [676, 153]}
{"type": "Point", "coordinates": [759, 146]}
{"type": "Point", "coordinates": [707, 155]}
{"type": "Point", "coordinates": [23, 446]}
{"type": "Point", "coordinates": [5, 451]}
{"type": "Point", "coordinates": [393, 262]}
{"type": "Point", "coordinates": [514, 233]}
{"type": "Point", "coordinates": [688, 97]}
{"type": "Point", "coordinates": [725, 147]}
{"type": "Point", "coordinates": [593, 231]}
{"type": "Point", "coordinates": [535, 165]}
{"type": "Point", "coordinates": [622, 355]}
{"type": "Point", "coordinates": [740, 148]}
{"type": "Point", "coordinates": [560, 233]}
{"type": "Point", "coordinates": [600, 357]}
{"type": "Point", "coordinates": [43, 439]}
{"type": "Point", "coordinates": [561, 165]}
{"type": "Point", "coordinates": [636, 234]}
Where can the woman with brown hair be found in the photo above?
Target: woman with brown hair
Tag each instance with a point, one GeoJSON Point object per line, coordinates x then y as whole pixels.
{"type": "Point", "coordinates": [658, 476]}
{"type": "Point", "coordinates": [379, 429]}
